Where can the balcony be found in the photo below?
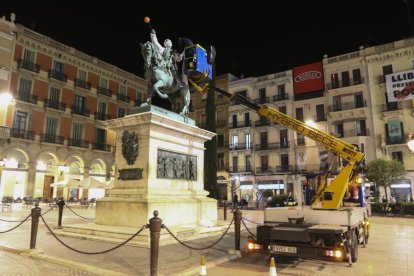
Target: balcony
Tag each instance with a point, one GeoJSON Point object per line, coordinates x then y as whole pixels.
{"type": "Point", "coordinates": [102, 116]}
{"type": "Point", "coordinates": [80, 111]}
{"type": "Point", "coordinates": [221, 123]}
{"type": "Point", "coordinates": [393, 106]}
{"type": "Point", "coordinates": [271, 146]}
{"type": "Point", "coordinates": [51, 138]}
{"type": "Point", "coordinates": [58, 76]}
{"type": "Point", "coordinates": [27, 97]}
{"type": "Point", "coordinates": [307, 168]}
{"type": "Point", "coordinates": [354, 132]}
{"type": "Point", "coordinates": [78, 143]}
{"type": "Point", "coordinates": [104, 91]}
{"type": "Point", "coordinates": [27, 65]}
{"type": "Point", "coordinates": [261, 100]}
{"type": "Point", "coordinates": [340, 84]}
{"type": "Point", "coordinates": [265, 169]}
{"type": "Point", "coordinates": [284, 168]}
{"type": "Point", "coordinates": [277, 98]}
{"type": "Point", "coordinates": [347, 106]}
{"type": "Point", "coordinates": [241, 146]}
{"type": "Point", "coordinates": [83, 84]}
{"type": "Point", "coordinates": [22, 134]}
{"type": "Point", "coordinates": [240, 124]}
{"type": "Point", "coordinates": [54, 105]}
{"type": "Point", "coordinates": [122, 97]}
{"type": "Point", "coordinates": [262, 122]}
{"type": "Point", "coordinates": [102, 147]}
{"type": "Point", "coordinates": [395, 140]}
{"type": "Point", "coordinates": [241, 169]}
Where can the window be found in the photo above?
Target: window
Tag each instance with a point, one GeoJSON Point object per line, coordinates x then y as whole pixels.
{"type": "Point", "coordinates": [100, 136]}
{"type": "Point", "coordinates": [28, 56]}
{"type": "Point", "coordinates": [248, 140]}
{"type": "Point", "coordinates": [103, 83]}
{"type": "Point", "coordinates": [139, 98]}
{"type": "Point", "coordinates": [248, 163]}
{"type": "Point", "coordinates": [283, 138]}
{"type": "Point", "coordinates": [247, 119]}
{"type": "Point", "coordinates": [101, 108]}
{"type": "Point", "coordinates": [121, 112]}
{"type": "Point", "coordinates": [82, 75]}
{"type": "Point", "coordinates": [334, 81]}
{"type": "Point", "coordinates": [284, 161]}
{"type": "Point", "coordinates": [122, 90]}
{"type": "Point", "coordinates": [339, 130]}
{"type": "Point", "coordinates": [359, 100]}
{"type": "Point", "coordinates": [281, 92]}
{"type": "Point", "coordinates": [25, 88]}
{"type": "Point", "coordinates": [51, 126]}
{"type": "Point", "coordinates": [235, 163]}
{"type": "Point", "coordinates": [54, 95]}
{"type": "Point", "coordinates": [262, 95]}
{"type": "Point", "coordinates": [220, 141]}
{"type": "Point", "coordinates": [80, 103]}
{"type": "Point", "coordinates": [77, 130]}
{"type": "Point", "coordinates": [394, 131]}
{"type": "Point", "coordinates": [234, 120]}
{"type": "Point", "coordinates": [361, 128]}
{"type": "Point", "coordinates": [356, 76]}
{"type": "Point", "coordinates": [58, 67]}
{"type": "Point", "coordinates": [264, 163]}
{"type": "Point", "coordinates": [337, 105]}
{"type": "Point", "coordinates": [282, 109]}
{"type": "Point", "coordinates": [235, 141]}
{"type": "Point", "coordinates": [263, 139]}
{"type": "Point", "coordinates": [387, 69]}
{"type": "Point", "coordinates": [220, 160]}
{"type": "Point", "coordinates": [397, 155]}
{"type": "Point", "coordinates": [320, 112]}
{"type": "Point", "coordinates": [299, 113]}
{"type": "Point", "coordinates": [21, 121]}
{"type": "Point", "coordinates": [345, 78]}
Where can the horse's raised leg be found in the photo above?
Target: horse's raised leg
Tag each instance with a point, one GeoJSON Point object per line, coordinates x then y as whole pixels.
{"type": "Point", "coordinates": [186, 98]}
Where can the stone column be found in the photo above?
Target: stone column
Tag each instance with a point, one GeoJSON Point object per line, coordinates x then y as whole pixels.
{"type": "Point", "coordinates": [31, 179]}
{"type": "Point", "coordinates": [86, 172]}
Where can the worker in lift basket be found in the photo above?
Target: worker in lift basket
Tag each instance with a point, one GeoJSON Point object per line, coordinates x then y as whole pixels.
{"type": "Point", "coordinates": [290, 201]}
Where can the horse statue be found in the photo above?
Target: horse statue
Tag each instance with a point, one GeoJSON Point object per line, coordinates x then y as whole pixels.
{"type": "Point", "coordinates": [163, 79]}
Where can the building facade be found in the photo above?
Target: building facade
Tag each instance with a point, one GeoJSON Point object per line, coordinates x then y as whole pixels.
{"type": "Point", "coordinates": [53, 132]}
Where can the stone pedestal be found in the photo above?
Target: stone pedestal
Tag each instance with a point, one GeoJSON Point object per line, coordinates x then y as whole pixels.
{"type": "Point", "coordinates": [163, 138]}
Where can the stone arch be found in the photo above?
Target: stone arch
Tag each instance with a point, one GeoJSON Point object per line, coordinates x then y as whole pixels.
{"type": "Point", "coordinates": [49, 158]}
{"type": "Point", "coordinates": [75, 164]}
{"type": "Point", "coordinates": [17, 154]}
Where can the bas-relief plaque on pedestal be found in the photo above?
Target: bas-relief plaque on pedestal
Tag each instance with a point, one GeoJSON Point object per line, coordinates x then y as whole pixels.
{"type": "Point", "coordinates": [171, 165]}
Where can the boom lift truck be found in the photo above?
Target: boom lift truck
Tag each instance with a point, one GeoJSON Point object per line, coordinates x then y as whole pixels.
{"type": "Point", "coordinates": [324, 230]}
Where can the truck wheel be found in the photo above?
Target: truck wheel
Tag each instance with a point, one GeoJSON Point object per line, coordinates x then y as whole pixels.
{"type": "Point", "coordinates": [354, 247]}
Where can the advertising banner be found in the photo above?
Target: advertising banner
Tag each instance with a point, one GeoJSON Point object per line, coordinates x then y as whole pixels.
{"type": "Point", "coordinates": [400, 86]}
{"type": "Point", "coordinates": [308, 78]}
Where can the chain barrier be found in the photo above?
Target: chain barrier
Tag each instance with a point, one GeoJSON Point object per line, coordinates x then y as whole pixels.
{"type": "Point", "coordinates": [27, 218]}
{"type": "Point", "coordinates": [252, 221]}
{"type": "Point", "coordinates": [195, 248]}
{"type": "Point", "coordinates": [245, 226]}
{"type": "Point", "coordinates": [77, 213]}
{"type": "Point", "coordinates": [91, 253]}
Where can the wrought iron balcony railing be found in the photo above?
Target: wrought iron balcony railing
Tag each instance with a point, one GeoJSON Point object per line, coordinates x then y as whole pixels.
{"type": "Point", "coordinates": [83, 84]}
{"type": "Point", "coordinates": [24, 64]}
{"type": "Point", "coordinates": [51, 138]}
{"type": "Point", "coordinates": [58, 75]}
{"type": "Point", "coordinates": [55, 105]}
{"type": "Point", "coordinates": [104, 91]}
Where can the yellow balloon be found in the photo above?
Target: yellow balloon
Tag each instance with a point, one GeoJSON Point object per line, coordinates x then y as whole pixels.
{"type": "Point", "coordinates": [146, 19]}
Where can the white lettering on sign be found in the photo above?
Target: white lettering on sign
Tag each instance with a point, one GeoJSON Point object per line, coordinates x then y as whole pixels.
{"type": "Point", "coordinates": [308, 76]}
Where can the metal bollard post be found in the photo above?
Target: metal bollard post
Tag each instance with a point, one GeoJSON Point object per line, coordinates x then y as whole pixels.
{"type": "Point", "coordinates": [155, 225]}
{"type": "Point", "coordinates": [36, 211]}
{"type": "Point", "coordinates": [60, 203]}
{"type": "Point", "coordinates": [225, 210]}
{"type": "Point", "coordinates": [237, 221]}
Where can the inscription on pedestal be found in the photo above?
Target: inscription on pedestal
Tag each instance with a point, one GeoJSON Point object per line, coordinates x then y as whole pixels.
{"type": "Point", "coordinates": [130, 174]}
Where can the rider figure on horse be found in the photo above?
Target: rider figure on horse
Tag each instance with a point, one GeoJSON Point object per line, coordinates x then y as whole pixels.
{"type": "Point", "coordinates": [169, 55]}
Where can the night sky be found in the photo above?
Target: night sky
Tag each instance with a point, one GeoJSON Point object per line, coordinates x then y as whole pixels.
{"type": "Point", "coordinates": [251, 39]}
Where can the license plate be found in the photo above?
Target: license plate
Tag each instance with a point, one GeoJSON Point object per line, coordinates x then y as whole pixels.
{"type": "Point", "coordinates": [284, 249]}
